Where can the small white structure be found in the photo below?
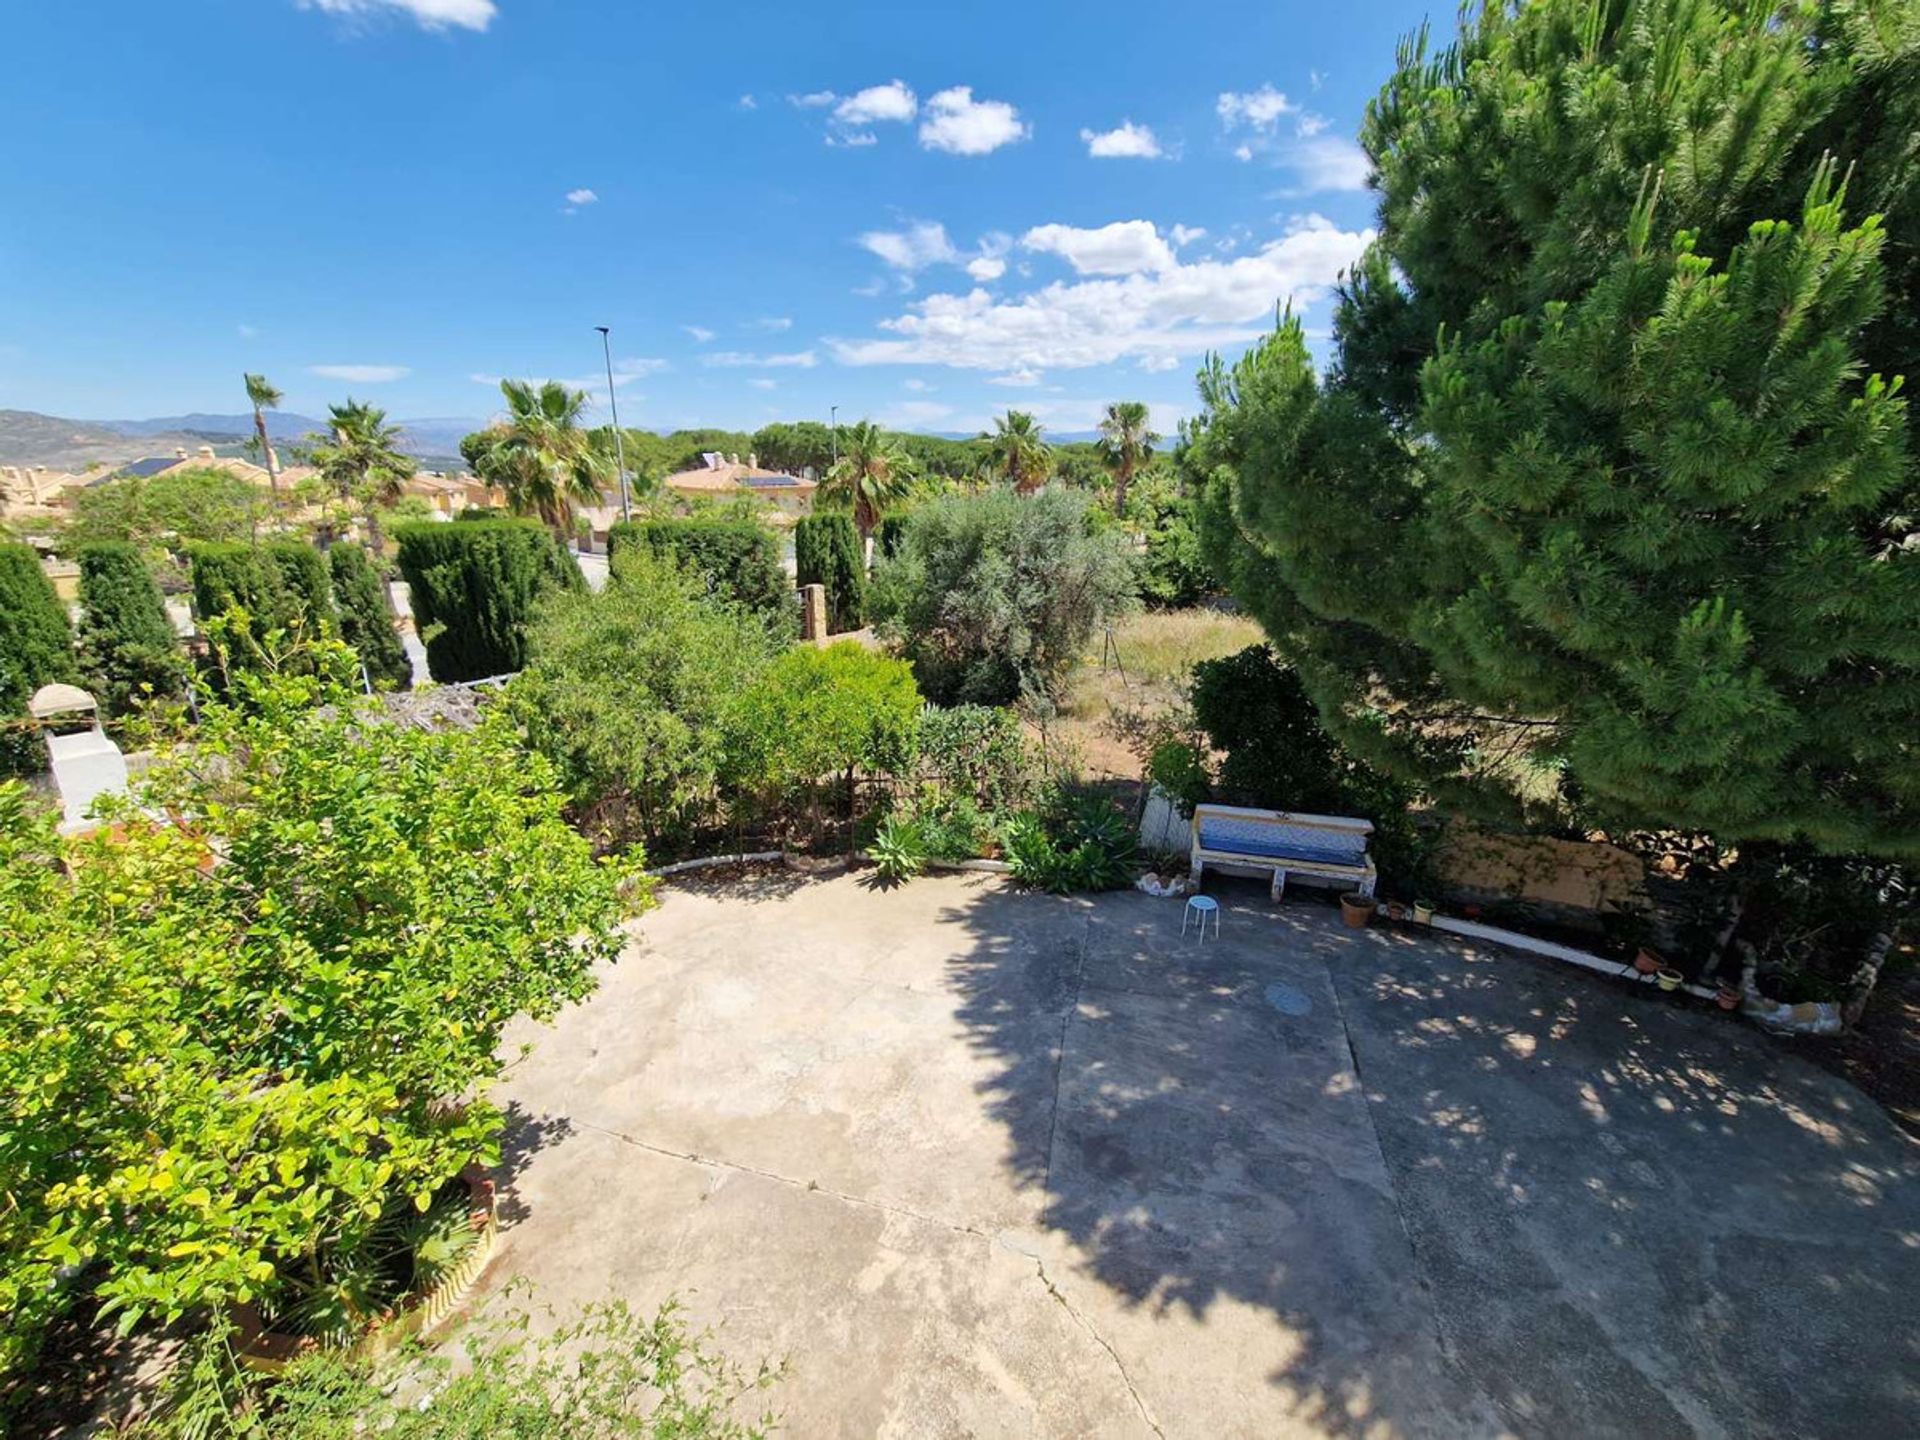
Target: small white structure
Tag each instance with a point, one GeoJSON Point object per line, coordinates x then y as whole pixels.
{"type": "Point", "coordinates": [86, 763]}
{"type": "Point", "coordinates": [1313, 847]}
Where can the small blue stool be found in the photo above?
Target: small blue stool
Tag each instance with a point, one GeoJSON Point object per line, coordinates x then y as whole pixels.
{"type": "Point", "coordinates": [1203, 906]}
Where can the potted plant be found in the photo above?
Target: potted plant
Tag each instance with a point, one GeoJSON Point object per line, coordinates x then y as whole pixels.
{"type": "Point", "coordinates": [1423, 912]}
{"type": "Point", "coordinates": [1669, 978]}
{"type": "Point", "coordinates": [1356, 909]}
{"type": "Point", "coordinates": [1728, 996]}
{"type": "Point", "coordinates": [1648, 961]}
{"type": "Point", "coordinates": [1396, 910]}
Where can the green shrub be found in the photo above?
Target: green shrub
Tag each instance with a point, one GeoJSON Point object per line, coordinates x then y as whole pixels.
{"type": "Point", "coordinates": [826, 551]}
{"type": "Point", "coordinates": [886, 539]}
{"type": "Point", "coordinates": [261, 605]}
{"type": "Point", "coordinates": [209, 1068]}
{"type": "Point", "coordinates": [36, 648]}
{"type": "Point", "coordinates": [978, 751]}
{"type": "Point", "coordinates": [128, 650]}
{"type": "Point", "coordinates": [366, 618]}
{"type": "Point", "coordinates": [736, 559]}
{"type": "Point", "coordinates": [1082, 843]}
{"type": "Point", "coordinates": [629, 691]}
{"type": "Point", "coordinates": [900, 849]}
{"type": "Point", "coordinates": [994, 597]}
{"type": "Point", "coordinates": [820, 711]}
{"type": "Point", "coordinates": [474, 588]}
{"type": "Point", "coordinates": [1171, 570]}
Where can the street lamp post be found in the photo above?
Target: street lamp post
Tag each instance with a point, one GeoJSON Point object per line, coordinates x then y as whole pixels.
{"type": "Point", "coordinates": [619, 441]}
{"type": "Point", "coordinates": [833, 418]}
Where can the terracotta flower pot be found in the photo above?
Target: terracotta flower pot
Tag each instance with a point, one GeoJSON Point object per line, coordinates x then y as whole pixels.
{"type": "Point", "coordinates": [1728, 998]}
{"type": "Point", "coordinates": [1648, 962]}
{"type": "Point", "coordinates": [1670, 979]}
{"type": "Point", "coordinates": [1356, 910]}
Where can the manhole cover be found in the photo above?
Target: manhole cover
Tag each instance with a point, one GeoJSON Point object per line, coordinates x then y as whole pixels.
{"type": "Point", "coordinates": [1289, 1001]}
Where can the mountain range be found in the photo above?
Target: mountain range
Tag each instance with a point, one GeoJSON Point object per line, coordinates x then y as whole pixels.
{"type": "Point", "coordinates": [30, 438]}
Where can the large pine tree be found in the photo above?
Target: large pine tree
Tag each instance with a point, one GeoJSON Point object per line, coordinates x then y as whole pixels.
{"type": "Point", "coordinates": [1609, 496]}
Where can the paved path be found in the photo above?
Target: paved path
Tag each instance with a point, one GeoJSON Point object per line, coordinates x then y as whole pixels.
{"type": "Point", "coordinates": [984, 1163]}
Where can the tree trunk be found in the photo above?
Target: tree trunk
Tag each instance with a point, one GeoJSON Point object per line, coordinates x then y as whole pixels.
{"type": "Point", "coordinates": [267, 457]}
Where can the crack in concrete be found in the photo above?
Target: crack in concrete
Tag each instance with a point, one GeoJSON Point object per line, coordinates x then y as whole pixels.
{"type": "Point", "coordinates": [810, 1187]}
{"type": "Point", "coordinates": [813, 1187]}
{"type": "Point", "coordinates": [1119, 1365]}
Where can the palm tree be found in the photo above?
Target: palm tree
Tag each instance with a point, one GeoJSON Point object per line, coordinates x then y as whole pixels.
{"type": "Point", "coordinates": [364, 462]}
{"type": "Point", "coordinates": [542, 457]}
{"type": "Point", "coordinates": [263, 397]}
{"type": "Point", "coordinates": [872, 473]}
{"type": "Point", "coordinates": [1019, 453]}
{"type": "Point", "coordinates": [1126, 443]}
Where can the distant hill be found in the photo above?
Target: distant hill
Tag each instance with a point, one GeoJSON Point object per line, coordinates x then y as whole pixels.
{"type": "Point", "coordinates": [30, 438]}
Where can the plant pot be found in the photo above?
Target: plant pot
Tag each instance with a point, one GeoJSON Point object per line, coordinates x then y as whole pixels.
{"type": "Point", "coordinates": [1423, 912]}
{"type": "Point", "coordinates": [1648, 962]}
{"type": "Point", "coordinates": [1395, 910]}
{"type": "Point", "coordinates": [1356, 910]}
{"type": "Point", "coordinates": [1727, 998]}
{"type": "Point", "coordinates": [1669, 978]}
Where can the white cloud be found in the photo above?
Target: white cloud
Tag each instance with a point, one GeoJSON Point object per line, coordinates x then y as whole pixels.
{"type": "Point", "coordinates": [1326, 162]}
{"type": "Point", "coordinates": [986, 267]}
{"type": "Point", "coordinates": [582, 196]}
{"type": "Point", "coordinates": [1182, 235]}
{"type": "Point", "coordinates": [1310, 124]}
{"type": "Point", "coordinates": [921, 244]}
{"type": "Point", "coordinates": [245, 332]}
{"type": "Point", "coordinates": [625, 372]}
{"type": "Point", "coordinates": [1129, 142]}
{"type": "Point", "coordinates": [772, 323]}
{"type": "Point", "coordinates": [431, 14]}
{"type": "Point", "coordinates": [1243, 152]}
{"type": "Point", "coordinates": [911, 413]}
{"type": "Point", "coordinates": [764, 384]}
{"type": "Point", "coordinates": [1122, 248]}
{"type": "Point", "coordinates": [700, 333]}
{"type": "Point", "coordinates": [1259, 109]}
{"type": "Point", "coordinates": [1178, 310]}
{"type": "Point", "coordinates": [892, 101]}
{"type": "Point", "coordinates": [735, 359]}
{"type": "Point", "coordinates": [814, 99]}
{"type": "Point", "coordinates": [854, 140]}
{"type": "Point", "coordinates": [361, 374]}
{"type": "Point", "coordinates": [1316, 79]}
{"type": "Point", "coordinates": [915, 384]}
{"type": "Point", "coordinates": [747, 102]}
{"type": "Point", "coordinates": [1018, 379]}
{"type": "Point", "coordinates": [875, 286]}
{"type": "Point", "coordinates": [960, 125]}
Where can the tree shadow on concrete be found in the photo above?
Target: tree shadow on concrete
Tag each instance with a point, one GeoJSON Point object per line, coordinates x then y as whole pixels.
{"type": "Point", "coordinates": [1475, 1191]}
{"type": "Point", "coordinates": [525, 1136]}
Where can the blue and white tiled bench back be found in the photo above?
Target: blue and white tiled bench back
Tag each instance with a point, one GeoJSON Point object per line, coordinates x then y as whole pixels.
{"type": "Point", "coordinates": [1314, 847]}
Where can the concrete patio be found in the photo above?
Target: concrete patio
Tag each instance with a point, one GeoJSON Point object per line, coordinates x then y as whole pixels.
{"type": "Point", "coordinates": [985, 1163]}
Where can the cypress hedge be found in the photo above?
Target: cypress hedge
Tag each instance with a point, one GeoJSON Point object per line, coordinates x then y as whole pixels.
{"type": "Point", "coordinates": [36, 648]}
{"type": "Point", "coordinates": [736, 559]}
{"type": "Point", "coordinates": [366, 619]}
{"type": "Point", "coordinates": [474, 587]}
{"type": "Point", "coordinates": [127, 647]}
{"type": "Point", "coordinates": [280, 586]}
{"type": "Point", "coordinates": [826, 551]}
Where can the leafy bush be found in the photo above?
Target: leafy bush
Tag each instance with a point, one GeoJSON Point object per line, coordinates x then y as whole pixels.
{"type": "Point", "coordinates": [900, 848]}
{"type": "Point", "coordinates": [36, 647]}
{"type": "Point", "coordinates": [1172, 571]}
{"type": "Point", "coordinates": [1081, 843]}
{"type": "Point", "coordinates": [827, 551]}
{"type": "Point", "coordinates": [474, 588]}
{"type": "Point", "coordinates": [737, 559]}
{"type": "Point", "coordinates": [994, 598]}
{"type": "Point", "coordinates": [978, 751]}
{"type": "Point", "coordinates": [127, 646]}
{"type": "Point", "coordinates": [261, 605]}
{"type": "Point", "coordinates": [228, 1043]}
{"type": "Point", "coordinates": [177, 508]}
{"type": "Point", "coordinates": [366, 619]}
{"type": "Point", "coordinates": [629, 692]}
{"type": "Point", "coordinates": [818, 711]}
{"type": "Point", "coordinates": [607, 1375]}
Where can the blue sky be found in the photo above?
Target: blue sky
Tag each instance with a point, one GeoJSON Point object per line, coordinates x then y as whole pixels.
{"type": "Point", "coordinates": [922, 213]}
